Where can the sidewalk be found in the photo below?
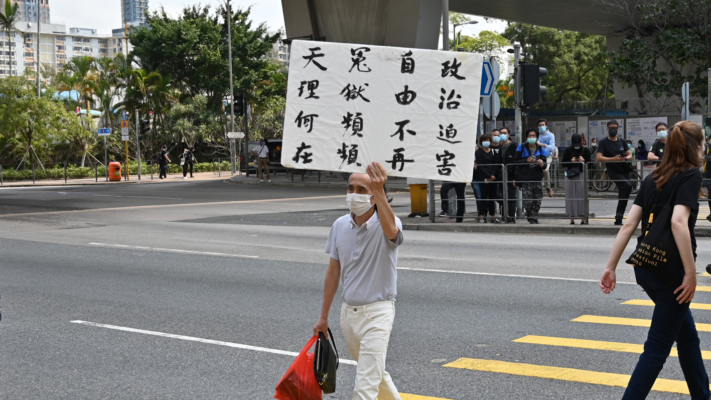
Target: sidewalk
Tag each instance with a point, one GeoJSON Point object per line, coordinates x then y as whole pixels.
{"type": "Point", "coordinates": [133, 179]}
{"type": "Point", "coordinates": [555, 225]}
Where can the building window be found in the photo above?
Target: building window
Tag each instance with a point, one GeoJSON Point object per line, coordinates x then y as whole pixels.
{"type": "Point", "coordinates": [76, 48]}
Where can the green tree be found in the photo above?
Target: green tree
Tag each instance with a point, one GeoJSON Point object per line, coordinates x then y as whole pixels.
{"type": "Point", "coordinates": [8, 19]}
{"type": "Point", "coordinates": [80, 74]}
{"type": "Point", "coordinates": [666, 43]}
{"type": "Point", "coordinates": [488, 43]}
{"type": "Point", "coordinates": [192, 121]}
{"type": "Point", "coordinates": [34, 126]}
{"type": "Point", "coordinates": [575, 61]}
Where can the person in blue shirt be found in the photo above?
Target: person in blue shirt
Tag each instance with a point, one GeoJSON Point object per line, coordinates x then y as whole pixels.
{"type": "Point", "coordinates": [530, 163]}
{"type": "Point", "coordinates": [546, 140]}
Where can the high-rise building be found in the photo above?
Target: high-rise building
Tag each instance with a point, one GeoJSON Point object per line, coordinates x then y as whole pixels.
{"type": "Point", "coordinates": [28, 9]}
{"type": "Point", "coordinates": [133, 12]}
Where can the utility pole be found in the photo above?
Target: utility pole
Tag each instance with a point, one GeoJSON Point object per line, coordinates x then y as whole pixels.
{"type": "Point", "coordinates": [445, 46]}
{"type": "Point", "coordinates": [126, 142]}
{"type": "Point", "coordinates": [138, 144]}
{"type": "Point", "coordinates": [232, 93]}
{"type": "Point", "coordinates": [39, 13]}
{"type": "Point", "coordinates": [517, 100]}
{"type": "Point", "coordinates": [245, 108]}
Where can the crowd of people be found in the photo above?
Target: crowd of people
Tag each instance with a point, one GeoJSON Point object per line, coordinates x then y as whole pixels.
{"type": "Point", "coordinates": [503, 167]}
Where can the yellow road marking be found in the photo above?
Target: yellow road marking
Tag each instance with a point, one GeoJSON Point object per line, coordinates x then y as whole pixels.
{"type": "Point", "coordinates": [596, 319]}
{"type": "Point", "coordinates": [704, 274]}
{"type": "Point", "coordinates": [562, 374]}
{"type": "Point", "coordinates": [695, 306]}
{"type": "Point", "coordinates": [595, 345]}
{"type": "Point", "coordinates": [703, 288]}
{"type": "Point", "coordinates": [406, 396]}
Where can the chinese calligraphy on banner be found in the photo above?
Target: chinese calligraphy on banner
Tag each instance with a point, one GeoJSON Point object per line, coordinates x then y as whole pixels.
{"type": "Point", "coordinates": [414, 111]}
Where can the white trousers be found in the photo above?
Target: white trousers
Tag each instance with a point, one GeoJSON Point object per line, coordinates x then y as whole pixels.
{"type": "Point", "coordinates": [366, 330]}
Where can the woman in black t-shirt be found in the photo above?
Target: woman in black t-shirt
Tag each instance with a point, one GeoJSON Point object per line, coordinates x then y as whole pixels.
{"type": "Point", "coordinates": [672, 320]}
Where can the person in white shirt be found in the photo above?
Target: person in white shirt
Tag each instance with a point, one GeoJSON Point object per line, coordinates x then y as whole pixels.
{"type": "Point", "coordinates": [262, 153]}
{"type": "Point", "coordinates": [363, 247]}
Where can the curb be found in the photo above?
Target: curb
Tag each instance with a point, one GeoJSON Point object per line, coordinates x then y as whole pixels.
{"type": "Point", "coordinates": [590, 230]}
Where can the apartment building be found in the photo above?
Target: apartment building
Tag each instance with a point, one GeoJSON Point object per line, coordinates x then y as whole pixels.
{"type": "Point", "coordinates": [28, 9]}
{"type": "Point", "coordinates": [133, 12]}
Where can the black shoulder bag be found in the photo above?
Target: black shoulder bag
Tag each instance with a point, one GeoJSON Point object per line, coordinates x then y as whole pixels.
{"type": "Point", "coordinates": [658, 252]}
{"type": "Point", "coordinates": [326, 362]}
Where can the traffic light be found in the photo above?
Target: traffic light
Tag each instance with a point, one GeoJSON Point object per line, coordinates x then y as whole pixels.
{"type": "Point", "coordinates": [239, 105]}
{"type": "Point", "coordinates": [144, 127]}
{"type": "Point", "coordinates": [531, 75]}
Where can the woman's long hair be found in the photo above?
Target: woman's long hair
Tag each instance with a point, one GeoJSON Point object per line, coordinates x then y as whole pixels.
{"type": "Point", "coordinates": [681, 152]}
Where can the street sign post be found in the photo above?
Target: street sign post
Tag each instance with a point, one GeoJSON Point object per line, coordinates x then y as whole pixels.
{"type": "Point", "coordinates": [124, 115]}
{"type": "Point", "coordinates": [104, 131]}
{"type": "Point", "coordinates": [686, 96]}
{"type": "Point", "coordinates": [492, 103]}
{"type": "Point", "coordinates": [124, 131]}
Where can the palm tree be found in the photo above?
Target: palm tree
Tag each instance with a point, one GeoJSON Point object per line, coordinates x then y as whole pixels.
{"type": "Point", "coordinates": [8, 19]}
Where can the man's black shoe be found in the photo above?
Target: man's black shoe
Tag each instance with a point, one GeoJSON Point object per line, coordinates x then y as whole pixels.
{"type": "Point", "coordinates": [442, 214]}
{"type": "Point", "coordinates": [709, 217]}
{"type": "Point", "coordinates": [618, 222]}
{"type": "Point", "coordinates": [708, 268]}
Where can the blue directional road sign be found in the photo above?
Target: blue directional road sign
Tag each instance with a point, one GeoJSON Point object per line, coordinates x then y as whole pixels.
{"type": "Point", "coordinates": [487, 79]}
{"type": "Point", "coordinates": [124, 115]}
{"type": "Point", "coordinates": [104, 131]}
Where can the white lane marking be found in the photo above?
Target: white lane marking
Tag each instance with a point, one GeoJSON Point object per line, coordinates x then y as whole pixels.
{"type": "Point", "coordinates": [509, 275]}
{"type": "Point", "coordinates": [36, 187]}
{"type": "Point", "coordinates": [206, 253]}
{"type": "Point", "coordinates": [200, 340]}
{"type": "Point", "coordinates": [138, 197]}
{"type": "Point", "coordinates": [163, 206]}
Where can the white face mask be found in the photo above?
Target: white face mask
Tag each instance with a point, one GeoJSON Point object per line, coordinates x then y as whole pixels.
{"type": "Point", "coordinates": [359, 204]}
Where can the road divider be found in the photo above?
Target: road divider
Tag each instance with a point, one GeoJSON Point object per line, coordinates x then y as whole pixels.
{"type": "Point", "coordinates": [594, 345]}
{"type": "Point", "coordinates": [562, 374]}
{"type": "Point", "coordinates": [646, 323]}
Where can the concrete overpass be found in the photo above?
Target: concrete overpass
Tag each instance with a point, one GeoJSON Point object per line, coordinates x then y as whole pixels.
{"type": "Point", "coordinates": [416, 23]}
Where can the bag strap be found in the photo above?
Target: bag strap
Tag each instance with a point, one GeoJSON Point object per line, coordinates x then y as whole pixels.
{"type": "Point", "coordinates": [333, 342]}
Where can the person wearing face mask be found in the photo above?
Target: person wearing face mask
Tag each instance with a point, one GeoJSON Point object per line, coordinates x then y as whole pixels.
{"type": "Point", "coordinates": [487, 171]}
{"type": "Point", "coordinates": [546, 139]}
{"type": "Point", "coordinates": [613, 151]}
{"type": "Point", "coordinates": [497, 147]}
{"type": "Point", "coordinates": [641, 150]}
{"type": "Point", "coordinates": [656, 153]}
{"type": "Point", "coordinates": [530, 163]}
{"type": "Point", "coordinates": [363, 248]}
{"type": "Point", "coordinates": [262, 153]}
{"type": "Point", "coordinates": [508, 155]}
{"type": "Point", "coordinates": [573, 158]}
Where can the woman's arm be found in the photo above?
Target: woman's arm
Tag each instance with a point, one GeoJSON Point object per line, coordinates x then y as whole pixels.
{"type": "Point", "coordinates": [609, 279]}
{"type": "Point", "coordinates": [682, 237]}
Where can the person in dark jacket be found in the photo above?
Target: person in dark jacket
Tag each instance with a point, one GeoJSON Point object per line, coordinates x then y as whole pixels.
{"type": "Point", "coordinates": [656, 153]}
{"type": "Point", "coordinates": [530, 162]}
{"type": "Point", "coordinates": [575, 155]}
{"type": "Point", "coordinates": [642, 150]}
{"type": "Point", "coordinates": [508, 154]}
{"type": "Point", "coordinates": [487, 172]}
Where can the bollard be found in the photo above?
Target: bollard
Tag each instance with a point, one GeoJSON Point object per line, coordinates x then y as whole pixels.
{"type": "Point", "coordinates": [96, 173]}
{"type": "Point", "coordinates": [33, 173]}
{"type": "Point", "coordinates": [219, 168]}
{"type": "Point", "coordinates": [65, 172]}
{"type": "Point", "coordinates": [586, 196]}
{"type": "Point", "coordinates": [1, 177]}
{"type": "Point", "coordinates": [505, 187]}
{"type": "Point", "coordinates": [151, 169]}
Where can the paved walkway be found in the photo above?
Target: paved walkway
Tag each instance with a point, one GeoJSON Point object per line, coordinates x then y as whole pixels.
{"type": "Point", "coordinates": [133, 179]}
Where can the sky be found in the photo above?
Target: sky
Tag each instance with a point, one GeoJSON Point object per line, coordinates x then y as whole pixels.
{"type": "Point", "coordinates": [107, 15]}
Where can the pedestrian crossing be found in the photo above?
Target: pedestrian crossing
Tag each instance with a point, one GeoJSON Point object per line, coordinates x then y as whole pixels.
{"type": "Point", "coordinates": [586, 376]}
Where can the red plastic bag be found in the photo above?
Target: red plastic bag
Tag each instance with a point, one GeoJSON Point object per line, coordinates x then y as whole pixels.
{"type": "Point", "coordinates": [299, 382]}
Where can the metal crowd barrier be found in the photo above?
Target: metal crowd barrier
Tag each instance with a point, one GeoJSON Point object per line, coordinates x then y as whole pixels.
{"type": "Point", "coordinates": [595, 179]}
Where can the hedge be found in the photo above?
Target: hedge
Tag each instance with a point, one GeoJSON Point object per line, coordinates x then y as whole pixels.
{"type": "Point", "coordinates": [76, 172]}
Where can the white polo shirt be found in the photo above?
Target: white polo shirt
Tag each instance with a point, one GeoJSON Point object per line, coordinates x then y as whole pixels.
{"type": "Point", "coordinates": [368, 259]}
{"type": "Point", "coordinates": [262, 151]}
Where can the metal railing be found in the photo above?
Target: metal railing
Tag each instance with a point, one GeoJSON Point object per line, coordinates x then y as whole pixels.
{"type": "Point", "coordinates": [595, 177]}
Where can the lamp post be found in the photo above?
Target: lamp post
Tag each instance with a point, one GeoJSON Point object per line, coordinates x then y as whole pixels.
{"type": "Point", "coordinates": [454, 31]}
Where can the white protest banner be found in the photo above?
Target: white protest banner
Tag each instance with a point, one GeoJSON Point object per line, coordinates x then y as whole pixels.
{"type": "Point", "coordinates": [414, 111]}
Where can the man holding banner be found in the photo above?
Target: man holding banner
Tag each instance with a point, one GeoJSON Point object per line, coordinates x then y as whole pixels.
{"type": "Point", "coordinates": [363, 248]}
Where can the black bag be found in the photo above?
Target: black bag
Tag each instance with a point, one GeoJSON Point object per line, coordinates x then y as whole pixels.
{"type": "Point", "coordinates": [573, 172]}
{"type": "Point", "coordinates": [658, 252]}
{"type": "Point", "coordinates": [326, 362]}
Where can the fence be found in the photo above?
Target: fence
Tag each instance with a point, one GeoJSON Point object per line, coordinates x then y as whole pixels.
{"type": "Point", "coordinates": [591, 181]}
